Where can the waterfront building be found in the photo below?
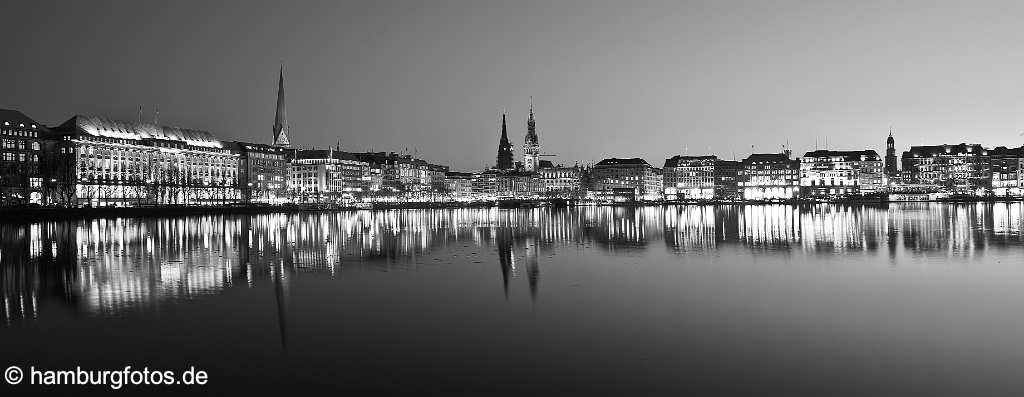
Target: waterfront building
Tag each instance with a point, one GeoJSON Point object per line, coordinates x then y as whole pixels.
{"type": "Point", "coordinates": [485, 184]}
{"type": "Point", "coordinates": [831, 173]}
{"type": "Point", "coordinates": [689, 177]}
{"type": "Point", "coordinates": [459, 185]}
{"type": "Point", "coordinates": [262, 172]}
{"type": "Point", "coordinates": [398, 173]}
{"type": "Point", "coordinates": [562, 181]}
{"type": "Point", "coordinates": [519, 185]}
{"type": "Point", "coordinates": [727, 177]}
{"type": "Point", "coordinates": [326, 176]}
{"type": "Point", "coordinates": [963, 168]}
{"type": "Point", "coordinates": [103, 162]}
{"type": "Point", "coordinates": [281, 129]}
{"type": "Point", "coordinates": [627, 173]}
{"type": "Point", "coordinates": [531, 149]}
{"type": "Point", "coordinates": [1006, 166]}
{"type": "Point", "coordinates": [504, 161]}
{"type": "Point", "coordinates": [21, 155]}
{"type": "Point", "coordinates": [892, 172]}
{"type": "Point", "coordinates": [770, 176]}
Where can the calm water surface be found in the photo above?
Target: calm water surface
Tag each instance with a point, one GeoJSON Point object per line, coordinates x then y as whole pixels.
{"type": "Point", "coordinates": [919, 299]}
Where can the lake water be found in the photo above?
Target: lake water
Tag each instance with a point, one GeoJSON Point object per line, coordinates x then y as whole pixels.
{"type": "Point", "coordinates": [914, 298]}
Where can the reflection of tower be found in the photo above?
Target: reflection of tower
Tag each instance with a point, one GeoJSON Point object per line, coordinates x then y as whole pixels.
{"type": "Point", "coordinates": [281, 118]}
{"type": "Point", "coordinates": [504, 237]}
{"type": "Point", "coordinates": [504, 148]}
{"type": "Point", "coordinates": [890, 157]}
{"type": "Point", "coordinates": [531, 149]}
{"type": "Point", "coordinates": [532, 268]}
{"type": "Point", "coordinates": [280, 292]}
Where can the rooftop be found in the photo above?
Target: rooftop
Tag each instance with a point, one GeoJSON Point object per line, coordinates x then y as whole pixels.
{"type": "Point", "coordinates": [109, 128]}
{"type": "Point", "coordinates": [617, 161]}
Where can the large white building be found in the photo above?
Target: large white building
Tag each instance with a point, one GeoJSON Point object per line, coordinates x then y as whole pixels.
{"type": "Point", "coordinates": [830, 173]}
{"type": "Point", "coordinates": [326, 176]}
{"type": "Point", "coordinates": [104, 162]}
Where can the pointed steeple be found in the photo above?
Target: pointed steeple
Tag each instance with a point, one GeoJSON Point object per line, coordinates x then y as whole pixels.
{"type": "Point", "coordinates": [281, 118]}
{"type": "Point", "coordinates": [531, 127]}
{"type": "Point", "coordinates": [504, 148]}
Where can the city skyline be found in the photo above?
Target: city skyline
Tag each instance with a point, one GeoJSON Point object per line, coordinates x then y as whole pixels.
{"type": "Point", "coordinates": [697, 79]}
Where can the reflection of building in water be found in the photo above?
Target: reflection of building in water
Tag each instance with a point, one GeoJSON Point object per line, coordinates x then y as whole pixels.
{"type": "Point", "coordinates": [691, 228]}
{"type": "Point", "coordinates": [769, 226]}
{"type": "Point", "coordinates": [130, 264]}
{"type": "Point", "coordinates": [842, 228]}
{"type": "Point", "coordinates": [111, 266]}
{"type": "Point", "coordinates": [946, 230]}
{"type": "Point", "coordinates": [623, 227]}
{"type": "Point", "coordinates": [507, 261]}
{"type": "Point", "coordinates": [33, 270]}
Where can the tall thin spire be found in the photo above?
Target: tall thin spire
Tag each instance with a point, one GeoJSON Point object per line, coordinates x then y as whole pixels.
{"type": "Point", "coordinates": [504, 148]}
{"type": "Point", "coordinates": [531, 148]}
{"type": "Point", "coordinates": [281, 118]}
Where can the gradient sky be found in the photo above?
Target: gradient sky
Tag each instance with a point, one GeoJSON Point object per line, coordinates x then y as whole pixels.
{"type": "Point", "coordinates": [608, 78]}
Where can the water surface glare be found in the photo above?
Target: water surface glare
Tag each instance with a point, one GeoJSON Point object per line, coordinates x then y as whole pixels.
{"type": "Point", "coordinates": [913, 298]}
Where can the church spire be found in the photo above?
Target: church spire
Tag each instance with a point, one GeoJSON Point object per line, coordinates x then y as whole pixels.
{"type": "Point", "coordinates": [281, 118]}
{"type": "Point", "coordinates": [504, 148]}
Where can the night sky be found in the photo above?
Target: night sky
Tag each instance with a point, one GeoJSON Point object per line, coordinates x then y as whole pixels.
{"type": "Point", "coordinates": [608, 79]}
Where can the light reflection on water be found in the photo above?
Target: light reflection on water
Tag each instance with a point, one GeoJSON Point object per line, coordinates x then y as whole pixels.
{"type": "Point", "coordinates": [108, 266]}
{"type": "Point", "coordinates": [127, 268]}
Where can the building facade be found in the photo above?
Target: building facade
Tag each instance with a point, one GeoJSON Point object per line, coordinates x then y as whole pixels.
{"type": "Point", "coordinates": [103, 162]}
{"type": "Point", "coordinates": [401, 173]}
{"type": "Point", "coordinates": [262, 172]}
{"type": "Point", "coordinates": [628, 173]}
{"type": "Point", "coordinates": [963, 168]}
{"type": "Point", "coordinates": [770, 176]}
{"type": "Point", "coordinates": [22, 142]}
{"type": "Point", "coordinates": [459, 185]}
{"type": "Point", "coordinates": [831, 173]}
{"type": "Point", "coordinates": [689, 177]}
{"type": "Point", "coordinates": [727, 178]}
{"type": "Point", "coordinates": [562, 181]}
{"type": "Point", "coordinates": [1006, 166]}
{"type": "Point", "coordinates": [326, 176]}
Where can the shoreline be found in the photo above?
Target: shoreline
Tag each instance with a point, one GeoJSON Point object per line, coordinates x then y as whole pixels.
{"type": "Point", "coordinates": [54, 213]}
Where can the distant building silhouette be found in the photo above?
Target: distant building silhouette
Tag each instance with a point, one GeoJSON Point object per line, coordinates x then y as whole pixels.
{"type": "Point", "coordinates": [891, 162]}
{"type": "Point", "coordinates": [504, 149]}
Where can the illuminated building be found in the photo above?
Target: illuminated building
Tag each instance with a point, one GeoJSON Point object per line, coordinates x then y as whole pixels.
{"type": "Point", "coordinates": [561, 181]}
{"type": "Point", "coordinates": [826, 173]}
{"type": "Point", "coordinates": [689, 177]}
{"type": "Point", "coordinates": [770, 176]}
{"type": "Point", "coordinates": [326, 175]}
{"type": "Point", "coordinates": [459, 185]}
{"type": "Point", "coordinates": [630, 173]}
{"type": "Point", "coordinates": [1006, 166]}
{"type": "Point", "coordinates": [959, 168]}
{"type": "Point", "coordinates": [104, 162]}
{"type": "Point", "coordinates": [402, 173]}
{"type": "Point", "coordinates": [262, 170]}
{"type": "Point", "coordinates": [21, 154]}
